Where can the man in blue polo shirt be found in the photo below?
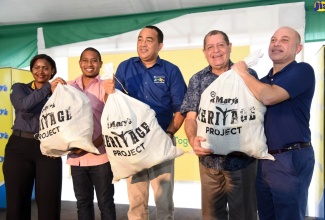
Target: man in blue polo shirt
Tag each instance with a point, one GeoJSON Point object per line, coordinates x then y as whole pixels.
{"type": "Point", "coordinates": [287, 91]}
{"type": "Point", "coordinates": [159, 84]}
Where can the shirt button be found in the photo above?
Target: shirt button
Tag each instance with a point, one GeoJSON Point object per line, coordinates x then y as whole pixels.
{"type": "Point", "coordinates": [145, 82]}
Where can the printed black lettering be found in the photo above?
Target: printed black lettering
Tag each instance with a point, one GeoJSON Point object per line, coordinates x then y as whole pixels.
{"type": "Point", "coordinates": [107, 142]}
{"type": "Point", "coordinates": [243, 115]}
{"type": "Point", "coordinates": [52, 117]}
{"type": "Point", "coordinates": [252, 115]}
{"type": "Point", "coordinates": [68, 113]}
{"type": "Point", "coordinates": [133, 137]}
{"type": "Point", "coordinates": [222, 132]}
{"type": "Point", "coordinates": [224, 114]}
{"type": "Point", "coordinates": [203, 119]}
{"type": "Point", "coordinates": [140, 132]}
{"type": "Point", "coordinates": [60, 116]}
{"type": "Point", "coordinates": [210, 117]}
{"type": "Point", "coordinates": [138, 149]}
{"type": "Point", "coordinates": [234, 117]}
{"type": "Point", "coordinates": [146, 127]}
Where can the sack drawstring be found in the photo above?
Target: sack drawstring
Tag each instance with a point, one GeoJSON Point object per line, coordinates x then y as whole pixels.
{"type": "Point", "coordinates": [121, 85]}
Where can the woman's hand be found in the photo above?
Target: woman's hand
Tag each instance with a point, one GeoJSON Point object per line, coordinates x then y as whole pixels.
{"type": "Point", "coordinates": [56, 81]}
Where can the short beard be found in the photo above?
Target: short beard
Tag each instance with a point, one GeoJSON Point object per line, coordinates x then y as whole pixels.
{"type": "Point", "coordinates": [91, 76]}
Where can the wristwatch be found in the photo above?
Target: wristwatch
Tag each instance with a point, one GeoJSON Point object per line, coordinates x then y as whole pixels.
{"type": "Point", "coordinates": [172, 137]}
{"type": "Point", "coordinates": [171, 133]}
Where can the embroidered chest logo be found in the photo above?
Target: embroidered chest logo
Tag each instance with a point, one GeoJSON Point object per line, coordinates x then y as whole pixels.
{"type": "Point", "coordinates": [159, 79]}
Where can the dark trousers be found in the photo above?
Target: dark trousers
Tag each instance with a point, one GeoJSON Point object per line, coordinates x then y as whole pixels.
{"type": "Point", "coordinates": [229, 194]}
{"type": "Point", "coordinates": [85, 180]}
{"type": "Point", "coordinates": [282, 185]}
{"type": "Point", "coordinates": [23, 165]}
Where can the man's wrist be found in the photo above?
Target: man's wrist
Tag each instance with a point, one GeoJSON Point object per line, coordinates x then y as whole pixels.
{"type": "Point", "coordinates": [171, 133]}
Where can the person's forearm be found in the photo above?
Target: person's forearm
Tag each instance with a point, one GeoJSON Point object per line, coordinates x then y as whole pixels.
{"type": "Point", "coordinates": [190, 127]}
{"type": "Point", "coordinates": [105, 97]}
{"type": "Point", "coordinates": [255, 86]}
{"type": "Point", "coordinates": [265, 93]}
{"type": "Point", "coordinates": [98, 142]}
{"type": "Point", "coordinates": [176, 123]}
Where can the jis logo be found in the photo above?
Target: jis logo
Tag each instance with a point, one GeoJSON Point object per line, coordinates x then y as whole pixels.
{"type": "Point", "coordinates": [319, 6]}
{"type": "Point", "coordinates": [159, 79]}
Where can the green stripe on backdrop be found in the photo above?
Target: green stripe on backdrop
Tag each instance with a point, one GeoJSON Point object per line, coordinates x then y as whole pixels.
{"type": "Point", "coordinates": [83, 30]}
{"type": "Point", "coordinates": [18, 43]}
{"type": "Point", "coordinates": [315, 26]}
{"type": "Point", "coordinates": [89, 29]}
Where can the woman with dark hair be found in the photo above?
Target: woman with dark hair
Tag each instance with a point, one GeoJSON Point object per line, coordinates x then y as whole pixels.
{"type": "Point", "coordinates": [24, 163]}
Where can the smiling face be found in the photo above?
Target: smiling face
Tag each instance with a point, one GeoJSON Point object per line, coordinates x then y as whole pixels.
{"type": "Point", "coordinates": [90, 64]}
{"type": "Point", "coordinates": [217, 53]}
{"type": "Point", "coordinates": [284, 46]}
{"type": "Point", "coordinates": [42, 71]}
{"type": "Point", "coordinates": [148, 46]}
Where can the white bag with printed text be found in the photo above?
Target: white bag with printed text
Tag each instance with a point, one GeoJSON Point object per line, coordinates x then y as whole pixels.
{"type": "Point", "coordinates": [133, 139]}
{"type": "Point", "coordinates": [66, 122]}
{"type": "Point", "coordinates": [230, 118]}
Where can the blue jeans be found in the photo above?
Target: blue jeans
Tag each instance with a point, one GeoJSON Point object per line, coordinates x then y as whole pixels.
{"type": "Point", "coordinates": [282, 185]}
{"type": "Point", "coordinates": [85, 180]}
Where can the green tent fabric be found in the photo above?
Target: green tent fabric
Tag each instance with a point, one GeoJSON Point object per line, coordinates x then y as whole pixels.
{"type": "Point", "coordinates": [90, 29]}
{"type": "Point", "coordinates": [18, 43]}
{"type": "Point", "coordinates": [315, 26]}
{"type": "Point", "coordinates": [83, 30]}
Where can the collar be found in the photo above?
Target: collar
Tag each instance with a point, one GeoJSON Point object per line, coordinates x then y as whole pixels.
{"type": "Point", "coordinates": [209, 68]}
{"type": "Point", "coordinates": [158, 61]}
{"type": "Point", "coordinates": [270, 74]}
{"type": "Point", "coordinates": [78, 81]}
{"type": "Point", "coordinates": [32, 85]}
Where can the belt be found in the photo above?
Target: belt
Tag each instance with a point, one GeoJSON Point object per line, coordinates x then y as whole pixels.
{"type": "Point", "coordinates": [294, 146]}
{"type": "Point", "coordinates": [25, 134]}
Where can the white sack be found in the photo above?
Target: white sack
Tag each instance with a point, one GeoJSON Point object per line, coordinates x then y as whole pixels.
{"type": "Point", "coordinates": [231, 118]}
{"type": "Point", "coordinates": [133, 139]}
{"type": "Point", "coordinates": [66, 122]}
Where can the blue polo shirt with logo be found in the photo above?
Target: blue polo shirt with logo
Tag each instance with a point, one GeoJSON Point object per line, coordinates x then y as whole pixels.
{"type": "Point", "coordinates": [161, 86]}
{"type": "Point", "coordinates": [288, 122]}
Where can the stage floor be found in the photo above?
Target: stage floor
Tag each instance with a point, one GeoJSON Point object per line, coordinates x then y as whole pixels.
{"type": "Point", "coordinates": [187, 201]}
